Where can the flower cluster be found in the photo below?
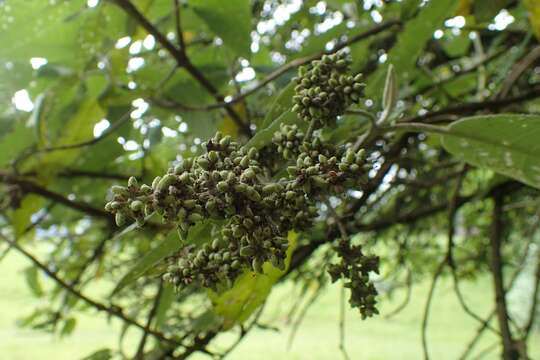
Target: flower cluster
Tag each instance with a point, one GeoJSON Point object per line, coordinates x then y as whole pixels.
{"type": "Point", "coordinates": [355, 266]}
{"type": "Point", "coordinates": [325, 90]}
{"type": "Point", "coordinates": [255, 200]}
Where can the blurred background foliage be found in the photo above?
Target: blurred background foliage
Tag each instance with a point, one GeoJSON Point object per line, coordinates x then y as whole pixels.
{"type": "Point", "coordinates": [95, 91]}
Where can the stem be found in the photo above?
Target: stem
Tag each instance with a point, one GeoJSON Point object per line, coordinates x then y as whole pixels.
{"type": "Point", "coordinates": [310, 130]}
{"type": "Point", "coordinates": [509, 352]}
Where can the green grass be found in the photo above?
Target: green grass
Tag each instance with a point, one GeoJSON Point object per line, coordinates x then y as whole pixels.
{"type": "Point", "coordinates": [317, 338]}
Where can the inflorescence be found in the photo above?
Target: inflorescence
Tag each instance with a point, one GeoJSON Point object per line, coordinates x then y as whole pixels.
{"type": "Point", "coordinates": [232, 184]}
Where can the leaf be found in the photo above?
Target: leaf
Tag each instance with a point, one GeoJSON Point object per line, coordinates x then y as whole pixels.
{"type": "Point", "coordinates": [485, 10]}
{"type": "Point", "coordinates": [22, 216]}
{"type": "Point", "coordinates": [165, 301]}
{"type": "Point", "coordinates": [78, 129]}
{"type": "Point", "coordinates": [198, 234]}
{"type": "Point", "coordinates": [230, 20]}
{"type": "Point", "coordinates": [68, 327]}
{"type": "Point", "coordinates": [20, 137]}
{"type": "Point", "coordinates": [264, 136]}
{"type": "Point", "coordinates": [533, 7]}
{"type": "Point", "coordinates": [281, 104]}
{"type": "Point", "coordinates": [168, 246]}
{"type": "Point", "coordinates": [102, 354]}
{"type": "Point", "coordinates": [31, 276]}
{"type": "Point", "coordinates": [507, 144]}
{"type": "Point", "coordinates": [410, 43]}
{"type": "Point", "coordinates": [249, 291]}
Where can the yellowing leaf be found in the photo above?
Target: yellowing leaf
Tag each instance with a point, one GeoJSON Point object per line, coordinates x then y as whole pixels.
{"type": "Point", "coordinates": [533, 6]}
{"type": "Point", "coordinates": [229, 127]}
{"type": "Point", "coordinates": [249, 291]}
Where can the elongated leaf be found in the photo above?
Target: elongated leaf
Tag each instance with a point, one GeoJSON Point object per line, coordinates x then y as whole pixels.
{"type": "Point", "coordinates": [31, 275]}
{"type": "Point", "coordinates": [198, 234]}
{"type": "Point", "coordinates": [168, 246]}
{"type": "Point", "coordinates": [508, 144]}
{"type": "Point", "coordinates": [68, 327]}
{"type": "Point", "coordinates": [20, 137]}
{"type": "Point", "coordinates": [102, 354]}
{"type": "Point", "coordinates": [250, 290]}
{"type": "Point", "coordinates": [230, 20]}
{"type": "Point", "coordinates": [281, 104]}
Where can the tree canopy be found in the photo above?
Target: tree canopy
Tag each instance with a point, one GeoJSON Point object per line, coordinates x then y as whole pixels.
{"type": "Point", "coordinates": [375, 144]}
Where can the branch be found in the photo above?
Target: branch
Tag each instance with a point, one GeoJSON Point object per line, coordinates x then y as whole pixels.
{"type": "Point", "coordinates": [142, 343]}
{"type": "Point", "coordinates": [509, 352]}
{"type": "Point", "coordinates": [427, 307]}
{"type": "Point", "coordinates": [471, 107]}
{"type": "Point", "coordinates": [31, 187]}
{"type": "Point", "coordinates": [86, 143]}
{"type": "Point", "coordinates": [181, 58]}
{"type": "Point", "coordinates": [535, 295]}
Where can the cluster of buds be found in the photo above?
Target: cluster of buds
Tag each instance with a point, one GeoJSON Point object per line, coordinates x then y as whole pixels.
{"type": "Point", "coordinates": [288, 140]}
{"type": "Point", "coordinates": [325, 90]}
{"type": "Point", "coordinates": [355, 267]}
{"type": "Point", "coordinates": [239, 187]}
{"type": "Point", "coordinates": [227, 182]}
{"type": "Point", "coordinates": [323, 168]}
{"type": "Point", "coordinates": [129, 202]}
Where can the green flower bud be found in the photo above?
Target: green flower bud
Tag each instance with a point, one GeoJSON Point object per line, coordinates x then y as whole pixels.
{"type": "Point", "coordinates": [136, 205]}
{"type": "Point", "coordinates": [213, 156]}
{"type": "Point", "coordinates": [256, 265]}
{"type": "Point", "coordinates": [132, 182]}
{"type": "Point", "coordinates": [244, 162]}
{"type": "Point", "coordinates": [155, 182]}
{"type": "Point", "coordinates": [120, 219]}
{"type": "Point", "coordinates": [165, 182]}
{"type": "Point", "coordinates": [195, 217]}
{"type": "Point", "coordinates": [225, 141]}
{"type": "Point", "coordinates": [189, 204]}
{"type": "Point", "coordinates": [222, 186]}
{"type": "Point", "coordinates": [119, 190]}
{"type": "Point", "coordinates": [145, 189]}
{"type": "Point", "coordinates": [253, 153]}
{"type": "Point", "coordinates": [203, 163]}
{"type": "Point", "coordinates": [247, 251]}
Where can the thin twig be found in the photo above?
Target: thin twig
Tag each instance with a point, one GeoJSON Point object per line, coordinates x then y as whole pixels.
{"type": "Point", "coordinates": [342, 346]}
{"type": "Point", "coordinates": [151, 314]}
{"type": "Point", "coordinates": [509, 351]}
{"type": "Point", "coordinates": [427, 307]}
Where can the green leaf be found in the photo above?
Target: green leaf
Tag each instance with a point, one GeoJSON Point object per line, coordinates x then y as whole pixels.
{"type": "Point", "coordinates": [507, 144]}
{"type": "Point", "coordinates": [68, 327]}
{"type": "Point", "coordinates": [102, 354]}
{"type": "Point", "coordinates": [485, 10]}
{"type": "Point", "coordinates": [249, 291]}
{"type": "Point", "coordinates": [281, 104]}
{"type": "Point", "coordinates": [20, 137]}
{"type": "Point", "coordinates": [230, 20]}
{"type": "Point", "coordinates": [410, 43]}
{"type": "Point", "coordinates": [165, 301]}
{"type": "Point", "coordinates": [31, 275]}
{"type": "Point", "coordinates": [22, 216]}
{"type": "Point", "coordinates": [168, 246]}
{"type": "Point", "coordinates": [198, 234]}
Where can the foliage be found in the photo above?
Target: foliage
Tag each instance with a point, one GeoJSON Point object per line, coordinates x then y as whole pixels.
{"type": "Point", "coordinates": [97, 92]}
